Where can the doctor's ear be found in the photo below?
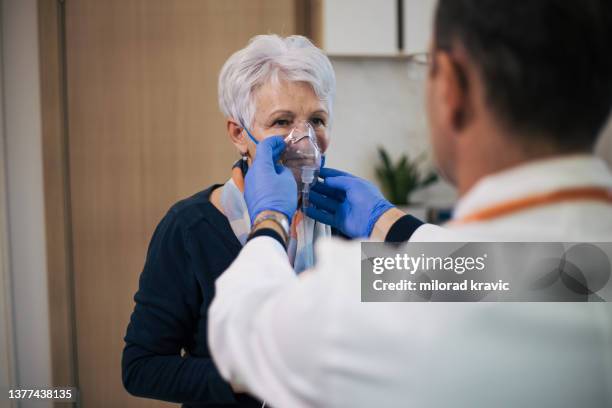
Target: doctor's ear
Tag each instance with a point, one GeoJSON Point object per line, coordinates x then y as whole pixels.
{"type": "Point", "coordinates": [453, 90]}
{"type": "Point", "coordinates": [237, 135]}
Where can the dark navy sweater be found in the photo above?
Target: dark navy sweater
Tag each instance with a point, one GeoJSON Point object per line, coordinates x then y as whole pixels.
{"type": "Point", "coordinates": [166, 353]}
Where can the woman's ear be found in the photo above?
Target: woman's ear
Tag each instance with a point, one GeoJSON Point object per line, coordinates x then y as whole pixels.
{"type": "Point", "coordinates": [237, 135]}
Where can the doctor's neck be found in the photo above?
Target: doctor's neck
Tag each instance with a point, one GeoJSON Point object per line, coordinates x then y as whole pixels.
{"type": "Point", "coordinates": [490, 149]}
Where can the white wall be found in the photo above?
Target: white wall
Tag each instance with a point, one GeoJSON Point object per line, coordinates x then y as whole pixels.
{"type": "Point", "coordinates": [22, 128]}
{"type": "Point", "coordinates": [380, 103]}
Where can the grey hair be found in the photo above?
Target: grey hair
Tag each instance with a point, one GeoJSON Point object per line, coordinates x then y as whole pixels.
{"type": "Point", "coordinates": [270, 58]}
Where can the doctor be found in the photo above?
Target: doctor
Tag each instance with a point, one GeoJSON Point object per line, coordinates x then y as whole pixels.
{"type": "Point", "coordinates": [517, 94]}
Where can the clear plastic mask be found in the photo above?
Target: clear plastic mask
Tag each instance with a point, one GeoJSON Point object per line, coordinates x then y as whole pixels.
{"type": "Point", "coordinates": [302, 155]}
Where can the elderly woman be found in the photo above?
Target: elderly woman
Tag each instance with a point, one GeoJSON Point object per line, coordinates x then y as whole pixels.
{"type": "Point", "coordinates": [268, 88]}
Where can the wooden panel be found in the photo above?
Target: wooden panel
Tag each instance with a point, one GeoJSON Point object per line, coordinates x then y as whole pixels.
{"type": "Point", "coordinates": [316, 22]}
{"type": "Point", "coordinates": [144, 130]}
{"type": "Point", "coordinates": [308, 19]}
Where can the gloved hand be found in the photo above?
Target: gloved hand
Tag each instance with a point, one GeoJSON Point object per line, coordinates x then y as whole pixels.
{"type": "Point", "coordinates": [269, 185]}
{"type": "Point", "coordinates": [348, 203]}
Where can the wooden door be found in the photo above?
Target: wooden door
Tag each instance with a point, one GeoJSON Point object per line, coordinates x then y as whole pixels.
{"type": "Point", "coordinates": [143, 130]}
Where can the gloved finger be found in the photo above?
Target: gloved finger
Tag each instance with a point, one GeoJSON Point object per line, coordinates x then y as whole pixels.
{"type": "Point", "coordinates": [273, 142]}
{"type": "Point", "coordinates": [320, 215]}
{"type": "Point", "coordinates": [270, 149]}
{"type": "Point", "coordinates": [278, 167]}
{"type": "Point", "coordinates": [342, 183]}
{"type": "Point", "coordinates": [323, 203]}
{"type": "Point", "coordinates": [324, 189]}
{"type": "Point", "coordinates": [289, 185]}
{"type": "Point", "coordinates": [286, 176]}
{"type": "Point", "coordinates": [329, 172]}
{"type": "Point", "coordinates": [322, 162]}
{"type": "Point", "coordinates": [278, 147]}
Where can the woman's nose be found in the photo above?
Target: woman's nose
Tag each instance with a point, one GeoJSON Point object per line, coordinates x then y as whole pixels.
{"type": "Point", "coordinates": [301, 131]}
{"type": "Point", "coordinates": [303, 126]}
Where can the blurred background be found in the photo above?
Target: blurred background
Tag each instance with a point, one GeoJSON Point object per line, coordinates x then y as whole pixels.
{"type": "Point", "coordinates": [109, 115]}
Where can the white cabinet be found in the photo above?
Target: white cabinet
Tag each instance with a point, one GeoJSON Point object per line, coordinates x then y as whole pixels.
{"type": "Point", "coordinates": [360, 27]}
{"type": "Point", "coordinates": [417, 25]}
{"type": "Point", "coordinates": [375, 27]}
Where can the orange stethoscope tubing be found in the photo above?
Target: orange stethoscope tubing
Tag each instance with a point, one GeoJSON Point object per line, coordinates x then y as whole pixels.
{"type": "Point", "coordinates": [509, 207]}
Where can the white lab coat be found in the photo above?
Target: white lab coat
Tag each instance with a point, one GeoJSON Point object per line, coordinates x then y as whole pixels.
{"type": "Point", "coordinates": [308, 341]}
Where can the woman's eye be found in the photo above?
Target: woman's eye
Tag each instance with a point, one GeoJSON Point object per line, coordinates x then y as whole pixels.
{"type": "Point", "coordinates": [281, 123]}
{"type": "Point", "coordinates": [317, 122]}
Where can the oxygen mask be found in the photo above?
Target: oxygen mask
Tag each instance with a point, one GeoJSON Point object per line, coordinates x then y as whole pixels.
{"type": "Point", "coordinates": [303, 157]}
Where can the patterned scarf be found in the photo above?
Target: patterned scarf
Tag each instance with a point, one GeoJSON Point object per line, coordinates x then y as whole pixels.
{"type": "Point", "coordinates": [304, 231]}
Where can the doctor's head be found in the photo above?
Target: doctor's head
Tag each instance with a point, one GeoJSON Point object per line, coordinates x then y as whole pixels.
{"type": "Point", "coordinates": [511, 81]}
{"type": "Point", "coordinates": [273, 85]}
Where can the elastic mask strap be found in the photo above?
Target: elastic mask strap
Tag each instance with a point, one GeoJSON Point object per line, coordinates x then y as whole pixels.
{"type": "Point", "coordinates": [249, 133]}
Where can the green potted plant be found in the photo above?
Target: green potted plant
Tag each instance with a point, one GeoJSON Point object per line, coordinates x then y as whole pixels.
{"type": "Point", "coordinates": [402, 178]}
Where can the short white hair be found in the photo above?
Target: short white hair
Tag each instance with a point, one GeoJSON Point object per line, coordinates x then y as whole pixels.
{"type": "Point", "coordinates": [270, 58]}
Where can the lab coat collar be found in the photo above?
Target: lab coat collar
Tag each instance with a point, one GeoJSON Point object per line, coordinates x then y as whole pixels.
{"type": "Point", "coordinates": [536, 177]}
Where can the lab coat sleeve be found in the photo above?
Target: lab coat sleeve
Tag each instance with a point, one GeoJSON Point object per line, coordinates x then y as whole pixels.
{"type": "Point", "coordinates": [435, 233]}
{"type": "Point", "coordinates": [261, 321]}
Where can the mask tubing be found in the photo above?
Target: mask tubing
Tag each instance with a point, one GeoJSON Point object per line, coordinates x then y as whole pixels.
{"type": "Point", "coordinates": [307, 176]}
{"type": "Point", "coordinates": [305, 194]}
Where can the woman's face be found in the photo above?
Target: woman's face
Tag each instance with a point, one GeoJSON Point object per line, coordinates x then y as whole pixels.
{"type": "Point", "coordinates": [281, 106]}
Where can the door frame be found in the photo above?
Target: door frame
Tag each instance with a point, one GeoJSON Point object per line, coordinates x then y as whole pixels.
{"type": "Point", "coordinates": [57, 193]}
{"type": "Point", "coordinates": [7, 351]}
{"type": "Point", "coordinates": [23, 201]}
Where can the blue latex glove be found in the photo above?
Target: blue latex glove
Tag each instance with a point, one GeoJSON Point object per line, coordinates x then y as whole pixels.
{"type": "Point", "coordinates": [269, 185]}
{"type": "Point", "coordinates": [348, 203]}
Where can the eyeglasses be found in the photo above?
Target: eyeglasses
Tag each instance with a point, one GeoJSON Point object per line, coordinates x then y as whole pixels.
{"type": "Point", "coordinates": [420, 58]}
